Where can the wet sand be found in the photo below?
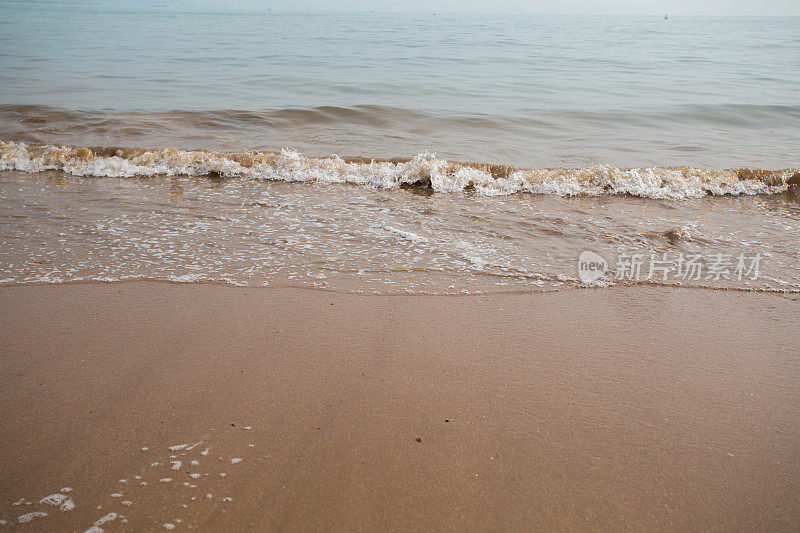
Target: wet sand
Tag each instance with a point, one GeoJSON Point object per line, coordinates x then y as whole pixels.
{"type": "Point", "coordinates": [640, 407]}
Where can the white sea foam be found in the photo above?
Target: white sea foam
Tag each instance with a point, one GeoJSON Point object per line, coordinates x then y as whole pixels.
{"type": "Point", "coordinates": [407, 235]}
{"type": "Point", "coordinates": [23, 519]}
{"type": "Point", "coordinates": [53, 499]}
{"type": "Point", "coordinates": [424, 170]}
{"type": "Point", "coordinates": [96, 527]}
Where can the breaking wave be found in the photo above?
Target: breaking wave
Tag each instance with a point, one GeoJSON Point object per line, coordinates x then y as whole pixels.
{"type": "Point", "coordinates": [425, 171]}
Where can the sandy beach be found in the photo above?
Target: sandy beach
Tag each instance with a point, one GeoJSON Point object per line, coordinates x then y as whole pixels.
{"type": "Point", "coordinates": [216, 408]}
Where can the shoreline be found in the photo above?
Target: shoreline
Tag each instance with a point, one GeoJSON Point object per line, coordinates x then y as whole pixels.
{"type": "Point", "coordinates": [575, 286]}
{"type": "Point", "coordinates": [645, 407]}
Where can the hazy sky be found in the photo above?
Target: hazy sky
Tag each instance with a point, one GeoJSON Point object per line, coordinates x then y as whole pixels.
{"type": "Point", "coordinates": [638, 7]}
{"type": "Point", "coordinates": [587, 7]}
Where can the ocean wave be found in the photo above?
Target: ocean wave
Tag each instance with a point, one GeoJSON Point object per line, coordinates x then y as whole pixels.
{"type": "Point", "coordinates": [422, 171]}
{"type": "Point", "coordinates": [27, 117]}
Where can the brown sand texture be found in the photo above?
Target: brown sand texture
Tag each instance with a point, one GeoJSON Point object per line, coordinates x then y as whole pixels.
{"type": "Point", "coordinates": [145, 406]}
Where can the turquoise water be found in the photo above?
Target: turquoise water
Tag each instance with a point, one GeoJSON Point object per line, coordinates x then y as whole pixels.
{"type": "Point", "coordinates": [525, 90]}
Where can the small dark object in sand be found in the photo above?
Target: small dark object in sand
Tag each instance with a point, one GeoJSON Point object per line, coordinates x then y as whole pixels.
{"type": "Point", "coordinates": [418, 438]}
{"type": "Point", "coordinates": [233, 425]}
{"type": "Point", "coordinates": [447, 420]}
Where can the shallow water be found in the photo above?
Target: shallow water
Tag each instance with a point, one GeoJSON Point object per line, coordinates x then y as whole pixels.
{"type": "Point", "coordinates": [60, 228]}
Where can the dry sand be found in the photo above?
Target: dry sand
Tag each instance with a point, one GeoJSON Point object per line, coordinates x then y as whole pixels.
{"type": "Point", "coordinates": [643, 408]}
